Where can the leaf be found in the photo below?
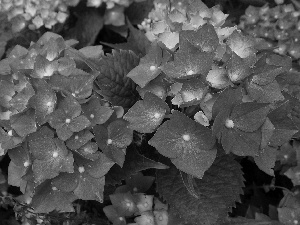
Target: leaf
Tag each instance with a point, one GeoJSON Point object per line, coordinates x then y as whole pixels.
{"type": "Point", "coordinates": [186, 65]}
{"type": "Point", "coordinates": [136, 183]}
{"type": "Point", "coordinates": [218, 190]}
{"type": "Point", "coordinates": [269, 93]}
{"type": "Point", "coordinates": [187, 143]}
{"type": "Point", "coordinates": [48, 198]}
{"type": "Point", "coordinates": [135, 162]}
{"type": "Point", "coordinates": [147, 114]}
{"type": "Point", "coordinates": [266, 160]}
{"type": "Point", "coordinates": [112, 82]}
{"type": "Point", "coordinates": [205, 38]}
{"type": "Point", "coordinates": [136, 41]}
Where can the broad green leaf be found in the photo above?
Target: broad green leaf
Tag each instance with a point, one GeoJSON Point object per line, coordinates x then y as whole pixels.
{"type": "Point", "coordinates": [136, 42]}
{"type": "Point", "coordinates": [147, 114]}
{"type": "Point", "coordinates": [218, 190]}
{"type": "Point", "coordinates": [136, 183]}
{"type": "Point", "coordinates": [48, 198]}
{"type": "Point", "coordinates": [112, 82]}
{"type": "Point", "coordinates": [135, 162]}
{"type": "Point", "coordinates": [266, 159]}
{"type": "Point", "coordinates": [187, 143]}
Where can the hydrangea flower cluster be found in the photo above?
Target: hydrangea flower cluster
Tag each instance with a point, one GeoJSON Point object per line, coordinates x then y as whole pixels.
{"type": "Point", "coordinates": [169, 17]}
{"type": "Point", "coordinates": [35, 13]}
{"type": "Point", "coordinates": [279, 25]}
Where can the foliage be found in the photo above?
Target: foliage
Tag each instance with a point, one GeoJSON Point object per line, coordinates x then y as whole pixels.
{"type": "Point", "coordinates": [204, 96]}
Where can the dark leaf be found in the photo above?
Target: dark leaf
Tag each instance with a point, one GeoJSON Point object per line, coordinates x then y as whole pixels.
{"type": "Point", "coordinates": [136, 162]}
{"type": "Point", "coordinates": [218, 190]}
{"type": "Point", "coordinates": [112, 82]}
{"type": "Point", "coordinates": [136, 41]}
